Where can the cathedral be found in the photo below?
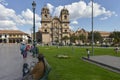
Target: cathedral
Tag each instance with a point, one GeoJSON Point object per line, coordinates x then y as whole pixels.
{"type": "Point", "coordinates": [54, 29]}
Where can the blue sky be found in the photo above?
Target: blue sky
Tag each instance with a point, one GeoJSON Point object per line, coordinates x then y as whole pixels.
{"type": "Point", "coordinates": [17, 14]}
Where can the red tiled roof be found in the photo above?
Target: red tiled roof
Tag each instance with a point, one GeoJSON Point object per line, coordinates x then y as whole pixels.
{"type": "Point", "coordinates": [12, 32]}
{"type": "Point", "coordinates": [104, 33]}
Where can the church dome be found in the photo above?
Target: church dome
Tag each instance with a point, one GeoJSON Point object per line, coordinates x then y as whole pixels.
{"type": "Point", "coordinates": [64, 10]}
{"type": "Point", "coordinates": [45, 8]}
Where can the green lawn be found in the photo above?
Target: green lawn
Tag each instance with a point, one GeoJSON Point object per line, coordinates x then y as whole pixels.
{"type": "Point", "coordinates": [74, 68]}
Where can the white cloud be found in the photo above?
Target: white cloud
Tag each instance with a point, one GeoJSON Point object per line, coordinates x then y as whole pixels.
{"type": "Point", "coordinates": [83, 10]}
{"type": "Point", "coordinates": [6, 18]}
{"type": "Point", "coordinates": [71, 27]}
{"type": "Point", "coordinates": [51, 7]}
{"type": "Point", "coordinates": [27, 17]}
{"type": "Point", "coordinates": [103, 18]}
{"type": "Point", "coordinates": [6, 24]}
{"type": "Point", "coordinates": [3, 2]}
{"type": "Point", "coordinates": [57, 10]}
{"type": "Point", "coordinates": [6, 13]}
{"type": "Point", "coordinates": [10, 20]}
{"type": "Point", "coordinates": [74, 22]}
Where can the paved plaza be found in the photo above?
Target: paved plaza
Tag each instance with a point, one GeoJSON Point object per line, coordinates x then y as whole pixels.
{"type": "Point", "coordinates": [11, 62]}
{"type": "Point", "coordinates": [109, 62]}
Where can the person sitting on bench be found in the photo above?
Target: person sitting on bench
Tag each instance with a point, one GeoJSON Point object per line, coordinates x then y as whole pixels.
{"type": "Point", "coordinates": [39, 69]}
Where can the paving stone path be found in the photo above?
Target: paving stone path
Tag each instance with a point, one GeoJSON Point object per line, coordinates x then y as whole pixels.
{"type": "Point", "coordinates": [11, 62]}
{"type": "Point", "coordinates": [110, 62]}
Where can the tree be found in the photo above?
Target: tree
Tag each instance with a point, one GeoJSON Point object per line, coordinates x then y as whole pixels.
{"type": "Point", "coordinates": [73, 38]}
{"type": "Point", "coordinates": [38, 36]}
{"type": "Point", "coordinates": [115, 36]}
{"type": "Point", "coordinates": [82, 38]}
{"type": "Point", "coordinates": [97, 37]}
{"type": "Point", "coordinates": [65, 38]}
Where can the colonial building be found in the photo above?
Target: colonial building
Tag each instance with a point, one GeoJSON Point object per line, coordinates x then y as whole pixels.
{"type": "Point", "coordinates": [82, 34]}
{"type": "Point", "coordinates": [105, 35]}
{"type": "Point", "coordinates": [12, 36]}
{"type": "Point", "coordinates": [54, 29]}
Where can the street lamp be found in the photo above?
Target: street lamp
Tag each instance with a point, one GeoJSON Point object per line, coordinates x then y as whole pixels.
{"type": "Point", "coordinates": [92, 29]}
{"type": "Point", "coordinates": [34, 40]}
{"type": "Point", "coordinates": [34, 6]}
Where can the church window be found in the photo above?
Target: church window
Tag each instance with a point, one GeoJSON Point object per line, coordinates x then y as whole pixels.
{"type": "Point", "coordinates": [45, 16]}
{"type": "Point", "coordinates": [5, 35]}
{"type": "Point", "coordinates": [65, 17]}
{"type": "Point", "coordinates": [65, 24]}
{"type": "Point", "coordinates": [45, 24]}
{"type": "Point", "coordinates": [65, 30]}
{"type": "Point", "coordinates": [45, 11]}
{"type": "Point", "coordinates": [45, 30]}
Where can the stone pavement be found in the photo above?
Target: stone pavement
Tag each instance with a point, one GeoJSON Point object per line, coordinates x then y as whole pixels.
{"type": "Point", "coordinates": [109, 62]}
{"type": "Point", "coordinates": [11, 62]}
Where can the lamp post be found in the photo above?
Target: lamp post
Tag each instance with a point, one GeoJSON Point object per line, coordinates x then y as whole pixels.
{"type": "Point", "coordinates": [34, 39]}
{"type": "Point", "coordinates": [92, 29]}
{"type": "Point", "coordinates": [34, 6]}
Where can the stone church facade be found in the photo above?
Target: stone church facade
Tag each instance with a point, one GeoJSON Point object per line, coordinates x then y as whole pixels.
{"type": "Point", "coordinates": [54, 29]}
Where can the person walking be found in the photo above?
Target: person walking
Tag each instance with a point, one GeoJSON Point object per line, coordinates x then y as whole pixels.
{"type": "Point", "coordinates": [116, 50]}
{"type": "Point", "coordinates": [88, 53]}
{"type": "Point", "coordinates": [23, 50]}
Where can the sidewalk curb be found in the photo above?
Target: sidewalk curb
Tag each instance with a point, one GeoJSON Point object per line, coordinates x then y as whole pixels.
{"type": "Point", "coordinates": [111, 68]}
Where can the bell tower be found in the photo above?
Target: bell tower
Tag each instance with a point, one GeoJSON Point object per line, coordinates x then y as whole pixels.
{"type": "Point", "coordinates": [64, 18]}
{"type": "Point", "coordinates": [54, 29]}
{"type": "Point", "coordinates": [46, 24]}
{"type": "Point", "coordinates": [64, 15]}
{"type": "Point", "coordinates": [45, 14]}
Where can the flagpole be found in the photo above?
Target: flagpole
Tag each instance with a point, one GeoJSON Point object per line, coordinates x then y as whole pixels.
{"type": "Point", "coordinates": [92, 29]}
